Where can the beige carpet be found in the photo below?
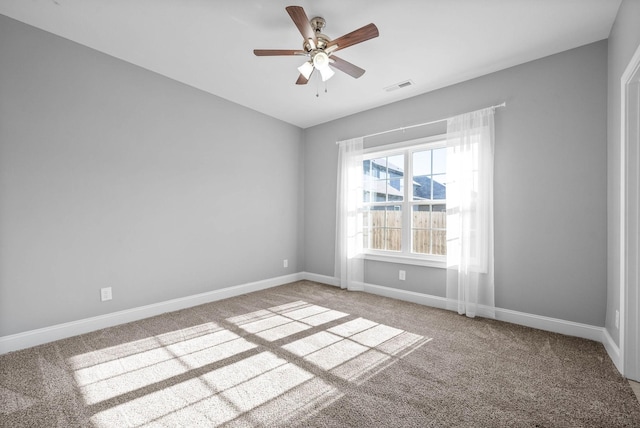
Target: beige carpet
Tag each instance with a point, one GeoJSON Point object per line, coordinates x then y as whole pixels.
{"type": "Point", "coordinates": [312, 355]}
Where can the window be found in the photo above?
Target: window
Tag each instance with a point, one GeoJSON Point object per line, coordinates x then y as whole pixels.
{"type": "Point", "coordinates": [405, 201]}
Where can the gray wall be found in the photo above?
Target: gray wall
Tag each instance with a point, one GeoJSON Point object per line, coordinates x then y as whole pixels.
{"type": "Point", "coordinates": [623, 42]}
{"type": "Point", "coordinates": [550, 183]}
{"type": "Point", "coordinates": [114, 176]}
{"type": "Point", "coordinates": [111, 175]}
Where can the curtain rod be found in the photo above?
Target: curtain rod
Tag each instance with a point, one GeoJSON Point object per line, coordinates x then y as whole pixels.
{"type": "Point", "coordinates": [421, 124]}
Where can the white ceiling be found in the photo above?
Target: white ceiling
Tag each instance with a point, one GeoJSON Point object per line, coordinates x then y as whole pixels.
{"type": "Point", "coordinates": [209, 44]}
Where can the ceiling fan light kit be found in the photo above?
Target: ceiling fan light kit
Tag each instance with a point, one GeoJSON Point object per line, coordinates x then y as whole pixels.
{"type": "Point", "coordinates": [319, 48]}
{"type": "Point", "coordinates": [306, 69]}
{"type": "Point", "coordinates": [321, 63]}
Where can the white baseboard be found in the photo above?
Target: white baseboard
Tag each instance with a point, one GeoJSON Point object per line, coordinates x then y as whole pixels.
{"type": "Point", "coordinates": [529, 320]}
{"type": "Point", "coordinates": [407, 296]}
{"type": "Point", "coordinates": [61, 331]}
{"type": "Point", "coordinates": [613, 350]}
{"type": "Point", "coordinates": [555, 325]}
{"type": "Point", "coordinates": [40, 336]}
{"type": "Point", "coordinates": [323, 279]}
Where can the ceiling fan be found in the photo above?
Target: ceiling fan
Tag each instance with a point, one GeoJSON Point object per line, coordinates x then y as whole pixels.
{"type": "Point", "coordinates": [319, 48]}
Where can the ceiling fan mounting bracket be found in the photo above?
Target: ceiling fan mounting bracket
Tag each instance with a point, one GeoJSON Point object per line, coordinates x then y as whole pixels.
{"type": "Point", "coordinates": [317, 24]}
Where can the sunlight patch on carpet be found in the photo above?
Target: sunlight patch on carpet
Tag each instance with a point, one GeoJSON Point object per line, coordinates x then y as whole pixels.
{"type": "Point", "coordinates": [222, 395]}
{"type": "Point", "coordinates": [284, 320]}
{"type": "Point", "coordinates": [355, 348]}
{"type": "Point", "coordinates": [209, 375]}
{"type": "Point", "coordinates": [132, 347]}
{"type": "Point", "coordinates": [107, 380]}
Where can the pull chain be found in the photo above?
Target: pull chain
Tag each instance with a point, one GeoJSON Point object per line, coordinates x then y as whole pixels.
{"type": "Point", "coordinates": [326, 91]}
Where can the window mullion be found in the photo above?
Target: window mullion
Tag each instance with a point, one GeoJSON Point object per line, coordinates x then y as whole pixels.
{"type": "Point", "coordinates": [406, 208]}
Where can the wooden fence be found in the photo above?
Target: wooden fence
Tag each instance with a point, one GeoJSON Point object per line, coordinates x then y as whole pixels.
{"type": "Point", "coordinates": [383, 231]}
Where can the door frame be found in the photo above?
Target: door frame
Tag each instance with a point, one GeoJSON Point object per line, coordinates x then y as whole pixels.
{"type": "Point", "coordinates": [629, 215]}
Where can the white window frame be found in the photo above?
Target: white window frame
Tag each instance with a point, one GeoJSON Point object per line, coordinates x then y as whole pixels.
{"type": "Point", "coordinates": [405, 256]}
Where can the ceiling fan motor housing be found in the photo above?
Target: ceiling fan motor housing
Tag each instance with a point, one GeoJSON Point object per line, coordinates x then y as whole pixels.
{"type": "Point", "coordinates": [322, 40]}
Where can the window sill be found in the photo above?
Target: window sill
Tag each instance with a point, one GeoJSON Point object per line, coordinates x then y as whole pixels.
{"type": "Point", "coordinates": [435, 262]}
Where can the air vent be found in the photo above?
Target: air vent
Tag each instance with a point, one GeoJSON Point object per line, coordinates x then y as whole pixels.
{"type": "Point", "coordinates": [399, 85]}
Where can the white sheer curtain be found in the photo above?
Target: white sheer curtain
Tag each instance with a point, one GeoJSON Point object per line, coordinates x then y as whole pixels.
{"type": "Point", "coordinates": [349, 264]}
{"type": "Point", "coordinates": [470, 275]}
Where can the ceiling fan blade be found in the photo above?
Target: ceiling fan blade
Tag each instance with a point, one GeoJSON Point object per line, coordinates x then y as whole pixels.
{"type": "Point", "coordinates": [302, 80]}
{"type": "Point", "coordinates": [277, 52]}
{"type": "Point", "coordinates": [347, 67]}
{"type": "Point", "coordinates": [358, 36]}
{"type": "Point", "coordinates": [301, 20]}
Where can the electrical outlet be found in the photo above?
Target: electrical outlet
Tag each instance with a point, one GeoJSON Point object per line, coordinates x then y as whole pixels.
{"type": "Point", "coordinates": [285, 263]}
{"type": "Point", "coordinates": [105, 294]}
{"type": "Point", "coordinates": [402, 275]}
{"type": "Point", "coordinates": [617, 318]}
